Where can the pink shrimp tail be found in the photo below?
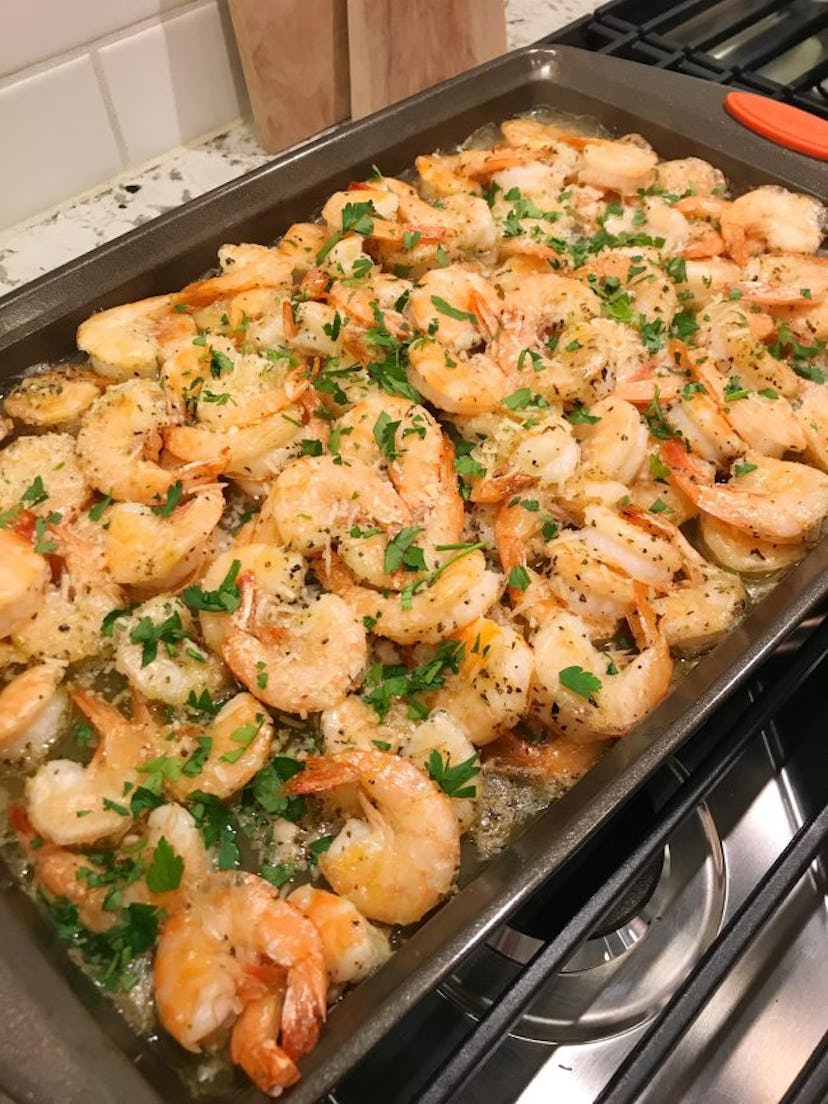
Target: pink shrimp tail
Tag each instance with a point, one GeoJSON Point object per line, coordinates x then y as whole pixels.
{"type": "Point", "coordinates": [321, 773]}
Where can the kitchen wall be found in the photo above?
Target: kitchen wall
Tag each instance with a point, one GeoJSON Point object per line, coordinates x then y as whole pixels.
{"type": "Point", "coordinates": [91, 87]}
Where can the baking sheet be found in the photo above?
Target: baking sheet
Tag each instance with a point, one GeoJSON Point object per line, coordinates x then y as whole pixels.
{"type": "Point", "coordinates": [61, 1039]}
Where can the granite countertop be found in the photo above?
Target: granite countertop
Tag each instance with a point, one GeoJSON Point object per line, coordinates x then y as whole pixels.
{"type": "Point", "coordinates": [80, 224]}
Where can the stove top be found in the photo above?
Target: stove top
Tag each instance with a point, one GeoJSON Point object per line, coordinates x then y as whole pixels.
{"type": "Point", "coordinates": [777, 47]}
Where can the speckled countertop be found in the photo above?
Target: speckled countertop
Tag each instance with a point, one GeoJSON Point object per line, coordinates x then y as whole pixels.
{"type": "Point", "coordinates": [118, 205]}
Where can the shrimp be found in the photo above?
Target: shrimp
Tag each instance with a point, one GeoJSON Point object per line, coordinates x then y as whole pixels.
{"type": "Point", "coordinates": [602, 704]}
{"type": "Point", "coordinates": [763, 419]}
{"type": "Point", "coordinates": [353, 947]}
{"type": "Point", "coordinates": [772, 219]}
{"type": "Point", "coordinates": [134, 339]}
{"type": "Point", "coordinates": [776, 500]}
{"type": "Point", "coordinates": [317, 501]}
{"type": "Point", "coordinates": [739, 551]}
{"type": "Point", "coordinates": [705, 279]}
{"type": "Point", "coordinates": [649, 289]}
{"type": "Point", "coordinates": [243, 267]}
{"type": "Point", "coordinates": [699, 609]}
{"type": "Point", "coordinates": [451, 597]}
{"type": "Point", "coordinates": [647, 556]}
{"type": "Point", "coordinates": [401, 860]}
{"type": "Point", "coordinates": [238, 742]}
{"type": "Point", "coordinates": [559, 758]}
{"type": "Point", "coordinates": [283, 654]}
{"type": "Point", "coordinates": [420, 463]}
{"type": "Point", "coordinates": [458, 312]}
{"type": "Point", "coordinates": [44, 473]}
{"type": "Point", "coordinates": [32, 708]}
{"type": "Point", "coordinates": [812, 414]}
{"type": "Point", "coordinates": [65, 623]}
{"type": "Point", "coordinates": [70, 804]}
{"type": "Point", "coordinates": [155, 553]}
{"type": "Point", "coordinates": [250, 455]}
{"type": "Point", "coordinates": [623, 166]}
{"type": "Point", "coordinates": [156, 652]}
{"type": "Point", "coordinates": [615, 444]}
{"type": "Point", "coordinates": [53, 398]}
{"type": "Point", "coordinates": [690, 174]}
{"type": "Point", "coordinates": [732, 335]}
{"type": "Point", "coordinates": [490, 692]}
{"type": "Point", "coordinates": [353, 723]}
{"type": "Point", "coordinates": [67, 874]}
{"type": "Point", "coordinates": [794, 289]}
{"type": "Point", "coordinates": [654, 217]}
{"type": "Point", "coordinates": [236, 954]}
{"type": "Point", "coordinates": [24, 581]}
{"type": "Point", "coordinates": [120, 441]}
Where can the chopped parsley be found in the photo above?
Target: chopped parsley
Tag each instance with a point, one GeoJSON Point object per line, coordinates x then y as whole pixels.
{"type": "Point", "coordinates": [454, 781]}
{"type": "Point", "coordinates": [580, 682]}
{"type": "Point", "coordinates": [226, 599]}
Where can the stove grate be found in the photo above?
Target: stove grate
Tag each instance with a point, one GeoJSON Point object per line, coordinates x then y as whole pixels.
{"type": "Point", "coordinates": [495, 1024]}
{"type": "Point", "coordinates": [739, 43]}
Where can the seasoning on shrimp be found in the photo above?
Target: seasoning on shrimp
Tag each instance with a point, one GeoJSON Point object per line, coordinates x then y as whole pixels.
{"type": "Point", "coordinates": [314, 560]}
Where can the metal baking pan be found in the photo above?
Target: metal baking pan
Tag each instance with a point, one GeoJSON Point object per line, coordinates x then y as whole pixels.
{"type": "Point", "coordinates": [60, 1038]}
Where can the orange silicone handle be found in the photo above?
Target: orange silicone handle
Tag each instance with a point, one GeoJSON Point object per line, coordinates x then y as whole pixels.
{"type": "Point", "coordinates": [786, 125]}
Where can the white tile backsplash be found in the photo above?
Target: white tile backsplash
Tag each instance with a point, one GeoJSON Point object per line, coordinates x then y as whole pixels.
{"type": "Point", "coordinates": [56, 136]}
{"type": "Point", "coordinates": [91, 87]}
{"type": "Point", "coordinates": [170, 82]}
{"type": "Point", "coordinates": [42, 29]}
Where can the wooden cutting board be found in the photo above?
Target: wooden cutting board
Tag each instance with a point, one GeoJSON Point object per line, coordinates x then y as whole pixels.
{"type": "Point", "coordinates": [398, 47]}
{"type": "Point", "coordinates": [295, 59]}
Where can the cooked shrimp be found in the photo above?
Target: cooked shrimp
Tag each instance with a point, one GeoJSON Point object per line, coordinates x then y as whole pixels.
{"type": "Point", "coordinates": [153, 552]}
{"type": "Point", "coordinates": [459, 591]}
{"type": "Point", "coordinates": [283, 654]}
{"type": "Point", "coordinates": [772, 219]}
{"type": "Point", "coordinates": [64, 873]}
{"type": "Point", "coordinates": [559, 758]}
{"type": "Point", "coordinates": [32, 707]}
{"type": "Point", "coordinates": [649, 289]}
{"type": "Point", "coordinates": [608, 704]}
{"type": "Point", "coordinates": [649, 557]}
{"type": "Point", "coordinates": [352, 724]}
{"type": "Point", "coordinates": [24, 579]}
{"type": "Point", "coordinates": [353, 947]}
{"type": "Point", "coordinates": [459, 383]}
{"type": "Point", "coordinates": [70, 804]}
{"type": "Point", "coordinates": [707, 278]}
{"type": "Point", "coordinates": [776, 500]}
{"type": "Point", "coordinates": [237, 956]}
{"type": "Point", "coordinates": [134, 339]}
{"type": "Point", "coordinates": [490, 692]}
{"type": "Point", "coordinates": [251, 455]}
{"type": "Point", "coordinates": [699, 609]}
{"type": "Point", "coordinates": [656, 218]}
{"type": "Point", "coordinates": [120, 442]}
{"type": "Point", "coordinates": [400, 861]}
{"type": "Point", "coordinates": [763, 419]}
{"type": "Point", "coordinates": [44, 474]}
{"type": "Point", "coordinates": [237, 742]}
{"type": "Point", "coordinates": [622, 166]}
{"type": "Point", "coordinates": [53, 398]}
{"type": "Point", "coordinates": [65, 624]}
{"type": "Point", "coordinates": [155, 650]}
{"type": "Point", "coordinates": [732, 335]}
{"type": "Point", "coordinates": [812, 413]}
{"type": "Point", "coordinates": [689, 174]}
{"type": "Point", "coordinates": [615, 444]}
{"type": "Point", "coordinates": [739, 551]}
{"type": "Point", "coordinates": [243, 267]}
{"type": "Point", "coordinates": [316, 502]}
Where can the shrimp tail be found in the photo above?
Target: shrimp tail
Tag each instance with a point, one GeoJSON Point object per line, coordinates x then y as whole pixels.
{"type": "Point", "coordinates": [253, 1046]}
{"type": "Point", "coordinates": [305, 1007]}
{"type": "Point", "coordinates": [321, 773]}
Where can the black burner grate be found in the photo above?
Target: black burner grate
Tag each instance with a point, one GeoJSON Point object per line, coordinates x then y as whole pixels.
{"type": "Point", "coordinates": [776, 47]}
